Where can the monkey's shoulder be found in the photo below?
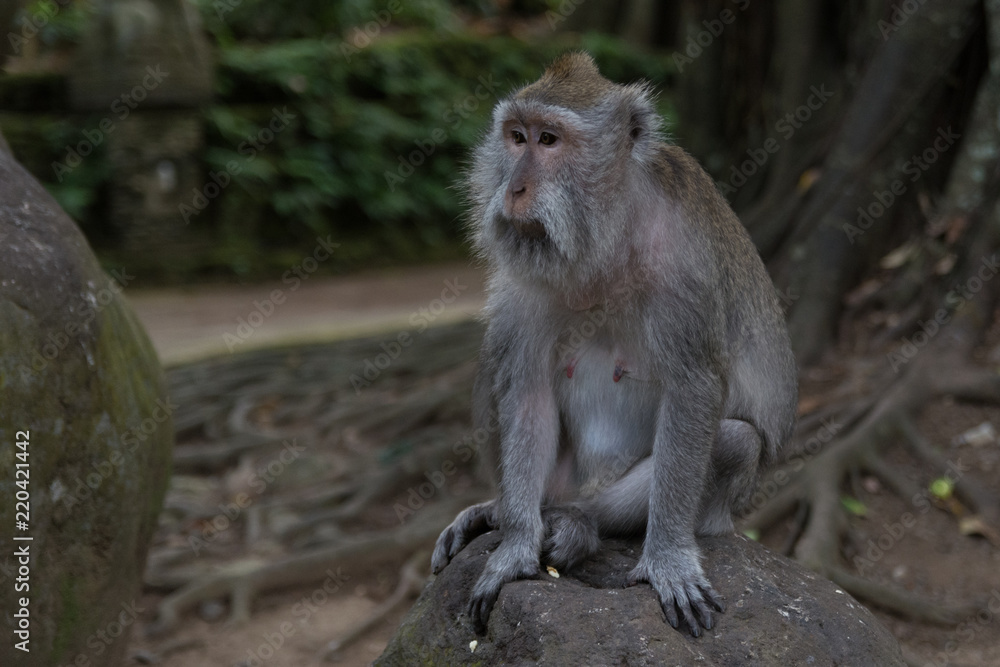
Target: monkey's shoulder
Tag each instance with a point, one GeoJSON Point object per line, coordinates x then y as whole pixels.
{"type": "Point", "coordinates": [678, 170]}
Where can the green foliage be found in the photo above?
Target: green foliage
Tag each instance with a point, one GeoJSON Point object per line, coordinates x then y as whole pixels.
{"type": "Point", "coordinates": [42, 143]}
{"type": "Point", "coordinates": [376, 150]}
{"type": "Point", "coordinates": [386, 97]}
{"type": "Point", "coordinates": [55, 22]}
{"type": "Point", "coordinates": [942, 488]}
{"type": "Point", "coordinates": [853, 505]}
{"type": "Point", "coordinates": [232, 21]}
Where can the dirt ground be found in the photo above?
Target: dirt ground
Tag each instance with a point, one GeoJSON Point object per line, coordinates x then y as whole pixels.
{"type": "Point", "coordinates": [919, 547]}
{"type": "Point", "coordinates": [196, 322]}
{"type": "Point", "coordinates": [188, 324]}
{"type": "Point", "coordinates": [914, 545]}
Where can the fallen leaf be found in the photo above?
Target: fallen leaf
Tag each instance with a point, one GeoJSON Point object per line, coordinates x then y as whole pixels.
{"type": "Point", "coordinates": [899, 256]}
{"type": "Point", "coordinates": [854, 506]}
{"type": "Point", "coordinates": [974, 525]}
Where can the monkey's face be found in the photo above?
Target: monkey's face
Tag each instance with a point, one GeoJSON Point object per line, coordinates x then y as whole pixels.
{"type": "Point", "coordinates": [529, 185]}
{"type": "Point", "coordinates": [556, 181]}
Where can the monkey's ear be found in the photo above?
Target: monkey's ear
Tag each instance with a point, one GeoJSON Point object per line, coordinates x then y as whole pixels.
{"type": "Point", "coordinates": [644, 122]}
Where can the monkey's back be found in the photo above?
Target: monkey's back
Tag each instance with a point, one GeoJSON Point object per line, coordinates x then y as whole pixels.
{"type": "Point", "coordinates": [762, 376]}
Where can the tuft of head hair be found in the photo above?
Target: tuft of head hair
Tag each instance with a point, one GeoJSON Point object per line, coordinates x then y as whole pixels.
{"type": "Point", "coordinates": [572, 81]}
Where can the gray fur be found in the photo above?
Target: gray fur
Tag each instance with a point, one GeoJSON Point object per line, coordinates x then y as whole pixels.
{"type": "Point", "coordinates": [646, 289]}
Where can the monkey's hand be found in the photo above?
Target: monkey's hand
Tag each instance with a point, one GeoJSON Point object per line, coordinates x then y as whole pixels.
{"type": "Point", "coordinates": [468, 525]}
{"type": "Point", "coordinates": [681, 586]}
{"type": "Point", "coordinates": [513, 559]}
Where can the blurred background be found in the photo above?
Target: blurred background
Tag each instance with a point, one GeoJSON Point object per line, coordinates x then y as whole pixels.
{"type": "Point", "coordinates": [307, 113]}
{"type": "Point", "coordinates": [285, 177]}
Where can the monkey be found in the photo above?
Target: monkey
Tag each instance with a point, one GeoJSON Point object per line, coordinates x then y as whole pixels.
{"type": "Point", "coordinates": [636, 365]}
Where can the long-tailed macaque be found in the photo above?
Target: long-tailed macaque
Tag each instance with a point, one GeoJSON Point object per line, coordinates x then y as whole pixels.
{"type": "Point", "coordinates": [636, 358]}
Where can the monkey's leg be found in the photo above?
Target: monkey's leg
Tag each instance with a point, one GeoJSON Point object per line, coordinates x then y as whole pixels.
{"type": "Point", "coordinates": [733, 478]}
{"type": "Point", "coordinates": [623, 507]}
{"type": "Point", "coordinates": [468, 525]}
{"type": "Point", "coordinates": [570, 535]}
{"type": "Point", "coordinates": [681, 459]}
{"type": "Point", "coordinates": [573, 532]}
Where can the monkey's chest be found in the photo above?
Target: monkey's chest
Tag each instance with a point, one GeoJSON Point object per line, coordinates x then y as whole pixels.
{"type": "Point", "coordinates": [607, 406]}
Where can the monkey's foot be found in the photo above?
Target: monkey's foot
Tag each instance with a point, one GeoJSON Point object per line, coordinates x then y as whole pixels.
{"type": "Point", "coordinates": [682, 587]}
{"type": "Point", "coordinates": [518, 561]}
{"type": "Point", "coordinates": [470, 523]}
{"type": "Point", "coordinates": [570, 536]}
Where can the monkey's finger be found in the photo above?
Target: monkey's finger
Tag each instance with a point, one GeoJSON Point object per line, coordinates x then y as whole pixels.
{"type": "Point", "coordinates": [480, 609]}
{"type": "Point", "coordinates": [693, 626]}
{"type": "Point", "coordinates": [704, 614]}
{"type": "Point", "coordinates": [457, 544]}
{"type": "Point", "coordinates": [700, 605]}
{"type": "Point", "coordinates": [713, 597]}
{"type": "Point", "coordinates": [442, 555]}
{"type": "Point", "coordinates": [670, 612]}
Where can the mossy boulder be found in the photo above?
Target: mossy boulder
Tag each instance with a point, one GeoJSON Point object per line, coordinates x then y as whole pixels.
{"type": "Point", "coordinates": [85, 439]}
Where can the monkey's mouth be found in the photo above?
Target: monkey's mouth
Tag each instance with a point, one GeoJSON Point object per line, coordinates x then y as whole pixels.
{"type": "Point", "coordinates": [530, 229]}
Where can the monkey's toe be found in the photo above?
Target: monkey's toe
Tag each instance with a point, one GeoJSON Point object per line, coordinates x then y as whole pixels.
{"type": "Point", "coordinates": [481, 606]}
{"type": "Point", "coordinates": [442, 551]}
{"type": "Point", "coordinates": [686, 599]}
{"type": "Point", "coordinates": [468, 525]}
{"type": "Point", "coordinates": [570, 536]}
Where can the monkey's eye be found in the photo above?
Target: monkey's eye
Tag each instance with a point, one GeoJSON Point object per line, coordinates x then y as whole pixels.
{"type": "Point", "coordinates": [547, 138]}
{"type": "Point", "coordinates": [517, 136]}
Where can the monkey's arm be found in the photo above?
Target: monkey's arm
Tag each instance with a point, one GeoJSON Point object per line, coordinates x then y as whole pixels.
{"type": "Point", "coordinates": [529, 433]}
{"type": "Point", "coordinates": [480, 518]}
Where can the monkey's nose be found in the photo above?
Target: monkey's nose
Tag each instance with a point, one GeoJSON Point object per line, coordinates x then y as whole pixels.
{"type": "Point", "coordinates": [516, 190]}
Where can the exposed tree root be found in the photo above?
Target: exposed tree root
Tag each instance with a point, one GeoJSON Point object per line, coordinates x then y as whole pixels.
{"type": "Point", "coordinates": [412, 577]}
{"type": "Point", "coordinates": [362, 451]}
{"type": "Point", "coordinates": [815, 489]}
{"type": "Point", "coordinates": [243, 583]}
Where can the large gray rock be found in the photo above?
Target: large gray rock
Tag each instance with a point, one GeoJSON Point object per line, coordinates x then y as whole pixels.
{"type": "Point", "coordinates": [82, 391]}
{"type": "Point", "coordinates": [778, 613]}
